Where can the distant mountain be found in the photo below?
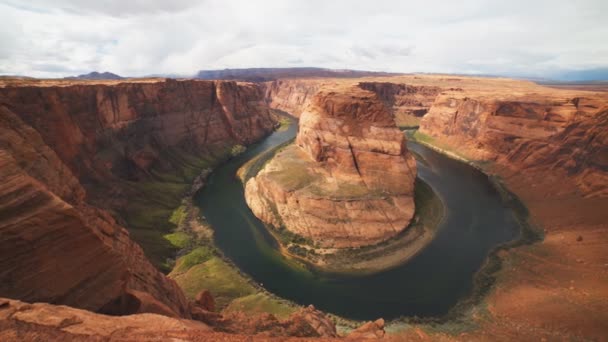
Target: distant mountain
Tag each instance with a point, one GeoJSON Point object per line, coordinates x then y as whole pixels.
{"type": "Point", "coordinates": [585, 75]}
{"type": "Point", "coordinates": [96, 76]}
{"type": "Point", "coordinates": [269, 74]}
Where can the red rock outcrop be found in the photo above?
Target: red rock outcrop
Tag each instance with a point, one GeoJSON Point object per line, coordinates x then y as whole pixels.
{"type": "Point", "coordinates": [20, 321]}
{"type": "Point", "coordinates": [64, 148]}
{"type": "Point", "coordinates": [406, 102]}
{"type": "Point", "coordinates": [292, 96]}
{"type": "Point", "coordinates": [369, 330]}
{"type": "Point", "coordinates": [349, 179]}
{"type": "Point", "coordinates": [552, 132]}
{"type": "Point", "coordinates": [123, 129]}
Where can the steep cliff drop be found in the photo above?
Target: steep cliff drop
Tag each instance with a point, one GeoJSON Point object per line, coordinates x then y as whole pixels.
{"type": "Point", "coordinates": [347, 182]}
{"type": "Point", "coordinates": [69, 153]}
{"type": "Point", "coordinates": [555, 133]}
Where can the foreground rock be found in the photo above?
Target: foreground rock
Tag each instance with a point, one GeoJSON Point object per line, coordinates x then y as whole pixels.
{"type": "Point", "coordinates": [45, 322]}
{"type": "Point", "coordinates": [373, 330]}
{"type": "Point", "coordinates": [348, 181]}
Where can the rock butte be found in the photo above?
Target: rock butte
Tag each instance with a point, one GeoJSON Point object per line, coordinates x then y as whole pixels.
{"type": "Point", "coordinates": [348, 181]}
{"type": "Point", "coordinates": [62, 242]}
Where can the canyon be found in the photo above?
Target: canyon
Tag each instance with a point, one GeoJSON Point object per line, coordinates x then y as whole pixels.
{"type": "Point", "coordinates": [70, 155]}
{"type": "Point", "coordinates": [74, 155]}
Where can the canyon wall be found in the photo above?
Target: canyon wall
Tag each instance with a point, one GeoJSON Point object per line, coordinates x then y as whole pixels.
{"type": "Point", "coordinates": [407, 103]}
{"type": "Point", "coordinates": [515, 124]}
{"type": "Point", "coordinates": [551, 132]}
{"type": "Point", "coordinates": [348, 181]}
{"type": "Point", "coordinates": [292, 96]}
{"type": "Point", "coordinates": [67, 153]}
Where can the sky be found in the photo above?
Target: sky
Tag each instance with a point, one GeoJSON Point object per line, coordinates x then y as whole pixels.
{"type": "Point", "coordinates": [530, 38]}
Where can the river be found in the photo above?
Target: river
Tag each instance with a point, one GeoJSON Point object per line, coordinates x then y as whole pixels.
{"type": "Point", "coordinates": [428, 285]}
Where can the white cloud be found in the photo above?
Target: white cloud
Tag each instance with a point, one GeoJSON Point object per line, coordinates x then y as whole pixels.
{"type": "Point", "coordinates": [135, 38]}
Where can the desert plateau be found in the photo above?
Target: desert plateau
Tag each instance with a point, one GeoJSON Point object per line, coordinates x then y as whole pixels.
{"type": "Point", "coordinates": [448, 194]}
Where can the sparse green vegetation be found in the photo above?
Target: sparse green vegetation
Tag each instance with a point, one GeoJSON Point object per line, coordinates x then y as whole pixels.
{"type": "Point", "coordinates": [253, 166]}
{"type": "Point", "coordinates": [197, 256]}
{"type": "Point", "coordinates": [424, 138]}
{"type": "Point", "coordinates": [180, 240]}
{"type": "Point", "coordinates": [261, 302]}
{"type": "Point", "coordinates": [220, 278]}
{"type": "Point", "coordinates": [292, 178]}
{"type": "Point", "coordinates": [237, 149]}
{"type": "Point", "coordinates": [284, 123]}
{"type": "Point", "coordinates": [155, 209]}
{"type": "Point", "coordinates": [178, 215]}
{"type": "Point", "coordinates": [286, 237]}
{"type": "Point", "coordinates": [157, 248]}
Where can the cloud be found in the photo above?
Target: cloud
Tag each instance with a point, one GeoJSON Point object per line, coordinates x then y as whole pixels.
{"type": "Point", "coordinates": [136, 38]}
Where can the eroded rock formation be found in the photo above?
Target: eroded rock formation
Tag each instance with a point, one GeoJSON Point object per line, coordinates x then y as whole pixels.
{"type": "Point", "coordinates": [65, 153]}
{"type": "Point", "coordinates": [292, 96]}
{"type": "Point", "coordinates": [553, 132]}
{"type": "Point", "coordinates": [407, 103]}
{"type": "Point", "coordinates": [21, 321]}
{"type": "Point", "coordinates": [349, 179]}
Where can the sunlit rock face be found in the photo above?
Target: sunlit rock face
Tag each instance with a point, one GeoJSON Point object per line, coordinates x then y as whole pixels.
{"type": "Point", "coordinates": [349, 179]}
{"type": "Point", "coordinates": [557, 133]}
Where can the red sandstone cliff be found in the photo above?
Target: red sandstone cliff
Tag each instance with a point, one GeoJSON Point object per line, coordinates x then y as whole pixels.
{"type": "Point", "coordinates": [292, 96]}
{"type": "Point", "coordinates": [61, 147]}
{"type": "Point", "coordinates": [552, 133]}
{"type": "Point", "coordinates": [406, 102]}
{"type": "Point", "coordinates": [349, 181]}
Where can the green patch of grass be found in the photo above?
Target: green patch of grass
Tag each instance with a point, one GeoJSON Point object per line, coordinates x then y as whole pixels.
{"type": "Point", "coordinates": [197, 256]}
{"type": "Point", "coordinates": [260, 303]}
{"type": "Point", "coordinates": [155, 247]}
{"type": "Point", "coordinates": [284, 123]}
{"type": "Point", "coordinates": [178, 215]}
{"type": "Point", "coordinates": [150, 216]}
{"type": "Point", "coordinates": [155, 203]}
{"type": "Point", "coordinates": [180, 240]}
{"type": "Point", "coordinates": [425, 138]}
{"type": "Point", "coordinates": [237, 149]}
{"type": "Point", "coordinates": [215, 275]}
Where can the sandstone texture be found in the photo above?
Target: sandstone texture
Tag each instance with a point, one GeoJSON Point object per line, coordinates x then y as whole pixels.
{"type": "Point", "coordinates": [540, 130]}
{"type": "Point", "coordinates": [348, 181]}
{"type": "Point", "coordinates": [292, 96]}
{"type": "Point", "coordinates": [407, 103]}
{"type": "Point", "coordinates": [21, 321]}
{"type": "Point", "coordinates": [66, 152]}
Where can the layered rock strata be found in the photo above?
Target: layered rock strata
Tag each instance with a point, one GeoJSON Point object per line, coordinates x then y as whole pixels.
{"type": "Point", "coordinates": [408, 103]}
{"type": "Point", "coordinates": [65, 154]}
{"type": "Point", "coordinates": [557, 133]}
{"type": "Point", "coordinates": [349, 179]}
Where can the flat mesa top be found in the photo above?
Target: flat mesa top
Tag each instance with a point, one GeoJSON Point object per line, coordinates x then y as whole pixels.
{"type": "Point", "coordinates": [450, 84]}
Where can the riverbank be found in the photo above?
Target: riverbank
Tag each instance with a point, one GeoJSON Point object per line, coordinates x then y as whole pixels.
{"type": "Point", "coordinates": [202, 266]}
{"type": "Point", "coordinates": [364, 260]}
{"type": "Point", "coordinates": [348, 261]}
{"type": "Point", "coordinates": [466, 315]}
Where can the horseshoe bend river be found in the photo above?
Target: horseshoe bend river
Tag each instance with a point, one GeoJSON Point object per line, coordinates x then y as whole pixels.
{"type": "Point", "coordinates": [428, 285]}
